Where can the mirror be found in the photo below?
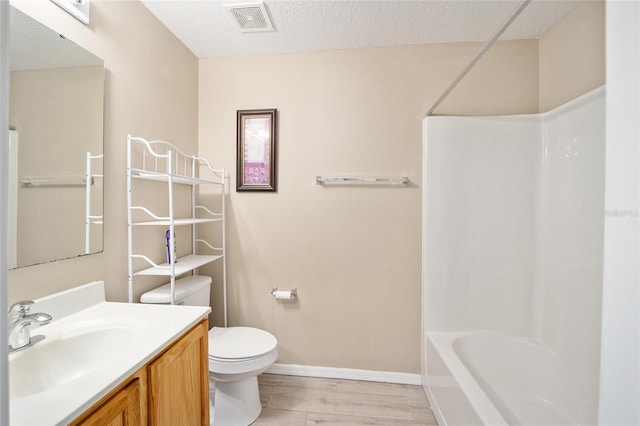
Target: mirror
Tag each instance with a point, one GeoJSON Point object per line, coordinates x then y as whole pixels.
{"type": "Point", "coordinates": [55, 166]}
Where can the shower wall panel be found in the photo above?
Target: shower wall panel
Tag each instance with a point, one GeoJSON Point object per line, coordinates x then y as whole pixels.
{"type": "Point", "coordinates": [514, 234]}
{"type": "Point", "coordinates": [571, 241]}
{"type": "Point", "coordinates": [480, 222]}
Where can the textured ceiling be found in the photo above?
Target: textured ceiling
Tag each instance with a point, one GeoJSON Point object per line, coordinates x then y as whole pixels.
{"type": "Point", "coordinates": [207, 28]}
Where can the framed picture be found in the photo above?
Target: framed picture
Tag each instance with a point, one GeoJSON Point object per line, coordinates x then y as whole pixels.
{"type": "Point", "coordinates": [256, 155]}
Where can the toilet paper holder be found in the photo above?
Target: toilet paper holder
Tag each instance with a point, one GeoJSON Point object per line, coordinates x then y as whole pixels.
{"type": "Point", "coordinates": [284, 294]}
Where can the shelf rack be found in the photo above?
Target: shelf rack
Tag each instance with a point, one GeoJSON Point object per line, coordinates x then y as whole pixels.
{"type": "Point", "coordinates": [163, 162]}
{"type": "Point", "coordinates": [89, 180]}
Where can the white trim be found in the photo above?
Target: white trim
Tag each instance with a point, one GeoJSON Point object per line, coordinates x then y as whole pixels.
{"type": "Point", "coordinates": [620, 331]}
{"type": "Point", "coordinates": [346, 373]}
{"type": "Point", "coordinates": [4, 208]}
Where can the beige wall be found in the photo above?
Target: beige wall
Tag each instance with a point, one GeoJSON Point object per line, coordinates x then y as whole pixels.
{"type": "Point", "coordinates": [572, 55]}
{"type": "Point", "coordinates": [352, 252]}
{"type": "Point", "coordinates": [151, 91]}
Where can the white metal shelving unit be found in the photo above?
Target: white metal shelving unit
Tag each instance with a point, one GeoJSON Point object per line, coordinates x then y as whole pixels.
{"type": "Point", "coordinates": [91, 219]}
{"type": "Point", "coordinates": [163, 162]}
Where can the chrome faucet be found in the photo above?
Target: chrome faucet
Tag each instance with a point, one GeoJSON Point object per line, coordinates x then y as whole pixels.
{"type": "Point", "coordinates": [21, 322]}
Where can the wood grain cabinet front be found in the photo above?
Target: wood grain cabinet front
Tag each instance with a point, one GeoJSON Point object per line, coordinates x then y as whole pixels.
{"type": "Point", "coordinates": [179, 382]}
{"type": "Point", "coordinates": [122, 408]}
{"type": "Point", "coordinates": [171, 389]}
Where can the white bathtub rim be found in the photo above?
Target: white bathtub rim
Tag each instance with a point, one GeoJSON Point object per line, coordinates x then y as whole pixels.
{"type": "Point", "coordinates": [483, 406]}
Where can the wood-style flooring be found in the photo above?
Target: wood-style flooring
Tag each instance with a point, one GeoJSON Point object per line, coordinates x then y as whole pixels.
{"type": "Point", "coordinates": [309, 401]}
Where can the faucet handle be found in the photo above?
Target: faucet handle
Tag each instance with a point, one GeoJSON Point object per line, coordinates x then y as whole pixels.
{"type": "Point", "coordinates": [20, 309]}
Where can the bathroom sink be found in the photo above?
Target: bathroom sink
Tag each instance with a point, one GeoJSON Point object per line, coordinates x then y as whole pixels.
{"type": "Point", "coordinates": [67, 355]}
{"type": "Point", "coordinates": [90, 347]}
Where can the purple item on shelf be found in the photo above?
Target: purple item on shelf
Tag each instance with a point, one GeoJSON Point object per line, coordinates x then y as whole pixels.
{"type": "Point", "coordinates": [175, 254]}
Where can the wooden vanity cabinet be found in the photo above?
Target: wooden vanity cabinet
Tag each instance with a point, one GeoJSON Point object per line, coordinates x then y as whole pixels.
{"type": "Point", "coordinates": [179, 381]}
{"type": "Point", "coordinates": [171, 389]}
{"type": "Point", "coordinates": [123, 408]}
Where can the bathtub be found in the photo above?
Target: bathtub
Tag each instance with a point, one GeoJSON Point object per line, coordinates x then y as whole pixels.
{"type": "Point", "coordinates": [489, 378]}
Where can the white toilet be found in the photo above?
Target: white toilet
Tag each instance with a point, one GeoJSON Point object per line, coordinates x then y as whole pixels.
{"type": "Point", "coordinates": [237, 355]}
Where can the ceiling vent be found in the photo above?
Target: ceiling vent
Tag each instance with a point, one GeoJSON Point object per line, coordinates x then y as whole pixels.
{"type": "Point", "coordinates": [251, 17]}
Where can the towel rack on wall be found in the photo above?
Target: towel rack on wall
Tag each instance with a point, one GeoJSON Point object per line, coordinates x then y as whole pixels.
{"type": "Point", "coordinates": [56, 181]}
{"type": "Point", "coordinates": [402, 180]}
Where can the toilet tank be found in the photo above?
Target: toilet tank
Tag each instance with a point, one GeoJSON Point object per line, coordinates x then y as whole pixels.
{"type": "Point", "coordinates": [193, 290]}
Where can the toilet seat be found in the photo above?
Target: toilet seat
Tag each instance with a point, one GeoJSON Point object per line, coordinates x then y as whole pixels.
{"type": "Point", "coordinates": [236, 352]}
{"type": "Point", "coordinates": [236, 344]}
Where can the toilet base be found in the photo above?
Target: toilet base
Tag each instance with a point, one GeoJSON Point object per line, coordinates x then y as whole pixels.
{"type": "Point", "coordinates": [234, 403]}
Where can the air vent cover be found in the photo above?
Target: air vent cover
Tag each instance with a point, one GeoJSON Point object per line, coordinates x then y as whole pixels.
{"type": "Point", "coordinates": [251, 17]}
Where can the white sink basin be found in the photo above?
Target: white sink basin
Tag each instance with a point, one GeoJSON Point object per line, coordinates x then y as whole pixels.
{"type": "Point", "coordinates": [67, 355]}
{"type": "Point", "coordinates": [90, 347]}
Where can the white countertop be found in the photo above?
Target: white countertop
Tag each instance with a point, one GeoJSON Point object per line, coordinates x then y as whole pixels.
{"type": "Point", "coordinates": [140, 331]}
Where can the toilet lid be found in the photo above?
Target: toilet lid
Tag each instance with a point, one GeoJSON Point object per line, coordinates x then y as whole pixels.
{"type": "Point", "coordinates": [184, 287]}
{"type": "Point", "coordinates": [240, 342]}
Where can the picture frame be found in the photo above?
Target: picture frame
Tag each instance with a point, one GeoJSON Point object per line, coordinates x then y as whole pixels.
{"type": "Point", "coordinates": [256, 150]}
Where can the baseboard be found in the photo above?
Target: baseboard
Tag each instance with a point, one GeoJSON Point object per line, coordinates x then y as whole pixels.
{"type": "Point", "coordinates": [346, 373]}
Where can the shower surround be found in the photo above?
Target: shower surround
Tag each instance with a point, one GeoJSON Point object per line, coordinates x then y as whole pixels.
{"type": "Point", "coordinates": [513, 219]}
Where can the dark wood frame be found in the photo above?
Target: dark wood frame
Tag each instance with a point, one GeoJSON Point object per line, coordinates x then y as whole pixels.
{"type": "Point", "coordinates": [241, 117]}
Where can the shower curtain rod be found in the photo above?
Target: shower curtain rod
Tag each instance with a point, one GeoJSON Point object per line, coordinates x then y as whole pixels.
{"type": "Point", "coordinates": [482, 51]}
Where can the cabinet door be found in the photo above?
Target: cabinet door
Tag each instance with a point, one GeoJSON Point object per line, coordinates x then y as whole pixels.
{"type": "Point", "coordinates": [122, 409]}
{"type": "Point", "coordinates": [179, 382]}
